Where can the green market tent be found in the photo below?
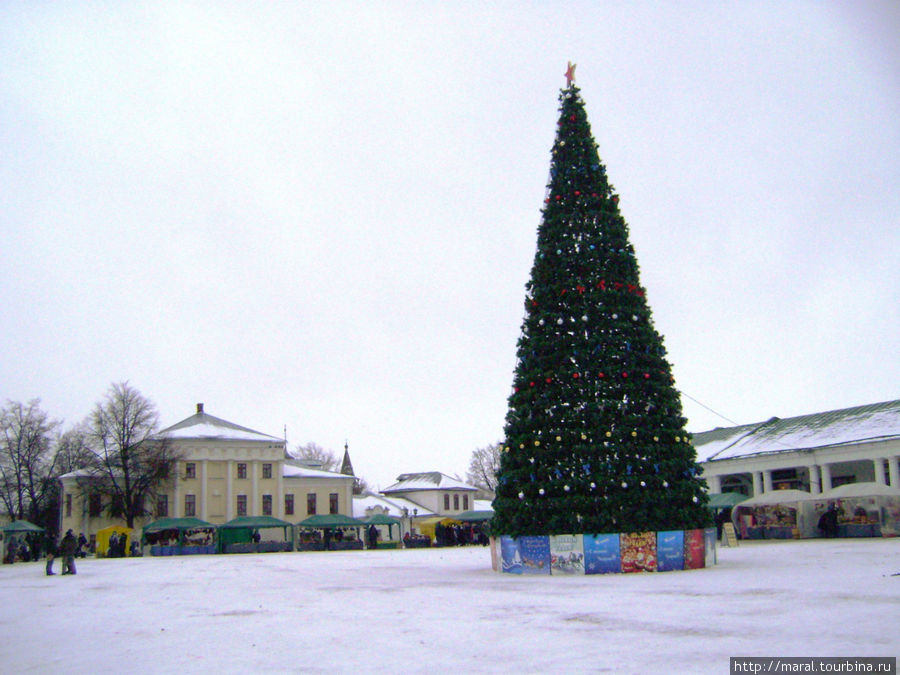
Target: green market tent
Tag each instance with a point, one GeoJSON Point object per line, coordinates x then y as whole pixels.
{"type": "Point", "coordinates": [475, 516]}
{"type": "Point", "coordinates": [329, 520]}
{"type": "Point", "coordinates": [381, 519]}
{"type": "Point", "coordinates": [176, 524]}
{"type": "Point", "coordinates": [725, 500]}
{"type": "Point", "coordinates": [240, 530]}
{"type": "Point", "coordinates": [190, 532]}
{"type": "Point", "coordinates": [19, 526]}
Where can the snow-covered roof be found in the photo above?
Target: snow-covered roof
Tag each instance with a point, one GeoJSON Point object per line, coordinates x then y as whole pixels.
{"type": "Point", "coordinates": [204, 426]}
{"type": "Point", "coordinates": [866, 489]}
{"type": "Point", "coordinates": [482, 505]}
{"type": "Point", "coordinates": [79, 473]}
{"type": "Point", "coordinates": [296, 470]}
{"type": "Point", "coordinates": [395, 506]}
{"type": "Point", "coordinates": [849, 426]}
{"type": "Point", "coordinates": [429, 480]}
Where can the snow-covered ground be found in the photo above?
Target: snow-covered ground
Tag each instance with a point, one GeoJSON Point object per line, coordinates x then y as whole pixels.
{"type": "Point", "coordinates": [438, 610]}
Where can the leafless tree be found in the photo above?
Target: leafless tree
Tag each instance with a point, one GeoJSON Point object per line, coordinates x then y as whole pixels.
{"type": "Point", "coordinates": [25, 459]}
{"type": "Point", "coordinates": [132, 462]}
{"type": "Point", "coordinates": [316, 455]}
{"type": "Point", "coordinates": [483, 467]}
{"type": "Point", "coordinates": [73, 451]}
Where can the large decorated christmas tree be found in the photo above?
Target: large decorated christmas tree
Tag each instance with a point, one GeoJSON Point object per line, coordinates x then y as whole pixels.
{"type": "Point", "coordinates": [594, 439]}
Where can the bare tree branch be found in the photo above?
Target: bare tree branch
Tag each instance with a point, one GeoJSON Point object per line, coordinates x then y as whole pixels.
{"type": "Point", "coordinates": [483, 467]}
{"type": "Point", "coordinates": [132, 461]}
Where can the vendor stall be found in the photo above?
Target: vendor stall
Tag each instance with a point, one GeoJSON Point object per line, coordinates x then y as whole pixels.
{"type": "Point", "coordinates": [256, 534]}
{"type": "Point", "coordinates": [863, 510]}
{"type": "Point", "coordinates": [380, 521]}
{"type": "Point", "coordinates": [772, 515]}
{"type": "Point", "coordinates": [444, 531]}
{"type": "Point", "coordinates": [180, 536]}
{"type": "Point", "coordinates": [476, 524]}
{"type": "Point", "coordinates": [334, 532]}
{"type": "Point", "coordinates": [19, 531]}
{"type": "Point", "coordinates": [114, 541]}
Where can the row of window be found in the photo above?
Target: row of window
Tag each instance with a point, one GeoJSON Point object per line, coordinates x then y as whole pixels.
{"type": "Point", "coordinates": [465, 502]}
{"type": "Point", "coordinates": [190, 470]}
{"type": "Point", "coordinates": [190, 505]}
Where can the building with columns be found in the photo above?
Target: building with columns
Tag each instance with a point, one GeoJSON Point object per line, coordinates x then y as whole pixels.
{"type": "Point", "coordinates": [813, 453]}
{"type": "Point", "coordinates": [224, 471]}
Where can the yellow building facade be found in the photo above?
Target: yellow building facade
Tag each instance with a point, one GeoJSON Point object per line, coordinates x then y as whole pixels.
{"type": "Point", "coordinates": [224, 471]}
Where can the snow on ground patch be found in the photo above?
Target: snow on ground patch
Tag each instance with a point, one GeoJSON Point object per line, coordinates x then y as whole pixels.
{"type": "Point", "coordinates": [430, 610]}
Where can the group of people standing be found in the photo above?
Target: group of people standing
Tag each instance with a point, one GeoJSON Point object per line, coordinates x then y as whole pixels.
{"type": "Point", "coordinates": [67, 550]}
{"type": "Point", "coordinates": [118, 545]}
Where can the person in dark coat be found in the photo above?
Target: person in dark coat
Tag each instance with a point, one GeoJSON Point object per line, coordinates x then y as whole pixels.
{"type": "Point", "coordinates": [67, 549]}
{"type": "Point", "coordinates": [12, 550]}
{"type": "Point", "coordinates": [52, 552]}
{"type": "Point", "coordinates": [82, 544]}
{"type": "Point", "coordinates": [373, 536]}
{"type": "Point", "coordinates": [828, 523]}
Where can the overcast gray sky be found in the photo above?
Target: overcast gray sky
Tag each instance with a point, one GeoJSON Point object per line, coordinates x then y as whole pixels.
{"type": "Point", "coordinates": [323, 215]}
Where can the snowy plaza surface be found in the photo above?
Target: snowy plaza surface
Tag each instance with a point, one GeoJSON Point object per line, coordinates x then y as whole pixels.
{"type": "Point", "coordinates": [437, 610]}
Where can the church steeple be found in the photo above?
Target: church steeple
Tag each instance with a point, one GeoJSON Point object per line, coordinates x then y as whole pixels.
{"type": "Point", "coordinates": [346, 464]}
{"type": "Point", "coordinates": [347, 469]}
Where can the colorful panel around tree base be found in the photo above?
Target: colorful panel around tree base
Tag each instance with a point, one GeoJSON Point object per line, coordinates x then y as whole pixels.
{"type": "Point", "coordinates": [575, 554]}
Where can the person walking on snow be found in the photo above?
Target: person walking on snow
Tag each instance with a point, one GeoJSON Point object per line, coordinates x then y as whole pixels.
{"type": "Point", "coordinates": [67, 549]}
{"type": "Point", "coordinates": [51, 554]}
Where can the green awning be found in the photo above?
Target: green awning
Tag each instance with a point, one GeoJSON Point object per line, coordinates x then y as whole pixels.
{"type": "Point", "coordinates": [176, 524]}
{"type": "Point", "coordinates": [725, 500]}
{"type": "Point", "coordinates": [475, 516]}
{"type": "Point", "coordinates": [381, 519]}
{"type": "Point", "coordinates": [20, 526]}
{"type": "Point", "coordinates": [254, 522]}
{"type": "Point", "coordinates": [331, 520]}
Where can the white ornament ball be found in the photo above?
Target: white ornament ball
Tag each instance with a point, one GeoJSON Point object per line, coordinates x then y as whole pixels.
{"type": "Point", "coordinates": [665, 483]}
{"type": "Point", "coordinates": [694, 499]}
{"type": "Point", "coordinates": [643, 484]}
{"type": "Point", "coordinates": [566, 488]}
{"type": "Point", "coordinates": [624, 484]}
{"type": "Point", "coordinates": [541, 491]}
{"type": "Point", "coordinates": [593, 485]}
{"type": "Point", "coordinates": [521, 495]}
